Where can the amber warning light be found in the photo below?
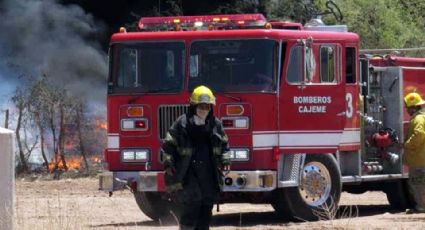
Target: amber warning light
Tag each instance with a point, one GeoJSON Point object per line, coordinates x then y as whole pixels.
{"type": "Point", "coordinates": [135, 111]}
{"type": "Point", "coordinates": [234, 110]}
{"type": "Point", "coordinates": [150, 23]}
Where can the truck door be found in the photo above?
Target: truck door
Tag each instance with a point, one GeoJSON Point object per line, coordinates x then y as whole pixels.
{"type": "Point", "coordinates": [312, 100]}
{"type": "Point", "coordinates": [350, 140]}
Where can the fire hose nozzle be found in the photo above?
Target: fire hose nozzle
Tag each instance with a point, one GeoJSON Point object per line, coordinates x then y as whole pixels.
{"type": "Point", "coordinates": [370, 120]}
{"type": "Point", "coordinates": [393, 158]}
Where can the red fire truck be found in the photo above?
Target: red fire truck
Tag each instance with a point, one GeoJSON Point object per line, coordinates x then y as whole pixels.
{"type": "Point", "coordinates": [307, 116]}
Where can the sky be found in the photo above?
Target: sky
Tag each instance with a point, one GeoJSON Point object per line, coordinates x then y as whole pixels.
{"type": "Point", "coordinates": [60, 42]}
{"type": "Point", "coordinates": [45, 38]}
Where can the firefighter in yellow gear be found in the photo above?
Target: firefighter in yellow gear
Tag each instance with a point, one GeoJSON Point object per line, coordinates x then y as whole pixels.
{"type": "Point", "coordinates": [195, 153]}
{"type": "Point", "coordinates": [414, 149]}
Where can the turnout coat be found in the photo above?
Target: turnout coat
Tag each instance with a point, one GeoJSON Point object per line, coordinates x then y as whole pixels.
{"type": "Point", "coordinates": [178, 148]}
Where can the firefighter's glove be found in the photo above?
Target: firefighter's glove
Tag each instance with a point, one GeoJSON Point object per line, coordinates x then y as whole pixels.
{"type": "Point", "coordinates": [170, 171]}
{"type": "Point", "coordinates": [226, 169]}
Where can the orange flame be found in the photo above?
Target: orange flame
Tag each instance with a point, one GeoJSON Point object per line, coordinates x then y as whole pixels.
{"type": "Point", "coordinates": [101, 123]}
{"type": "Point", "coordinates": [96, 159]}
{"type": "Point", "coordinates": [72, 162]}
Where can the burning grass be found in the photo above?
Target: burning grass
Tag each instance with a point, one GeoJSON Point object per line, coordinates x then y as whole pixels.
{"type": "Point", "coordinates": [75, 169]}
{"type": "Point", "coordinates": [73, 163]}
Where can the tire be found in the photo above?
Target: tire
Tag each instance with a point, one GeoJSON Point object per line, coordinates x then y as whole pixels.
{"type": "Point", "coordinates": [152, 205]}
{"type": "Point", "coordinates": [398, 195]}
{"type": "Point", "coordinates": [280, 204]}
{"type": "Point", "coordinates": [319, 190]}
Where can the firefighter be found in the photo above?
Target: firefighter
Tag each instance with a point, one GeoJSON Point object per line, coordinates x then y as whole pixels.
{"type": "Point", "coordinates": [414, 150]}
{"type": "Point", "coordinates": [195, 154]}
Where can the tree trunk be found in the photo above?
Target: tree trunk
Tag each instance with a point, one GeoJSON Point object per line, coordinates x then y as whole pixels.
{"type": "Point", "coordinates": [43, 154]}
{"type": "Point", "coordinates": [53, 130]}
{"type": "Point", "coordinates": [61, 140]}
{"type": "Point", "coordinates": [41, 130]}
{"type": "Point", "coordinates": [18, 138]}
{"type": "Point", "coordinates": [80, 135]}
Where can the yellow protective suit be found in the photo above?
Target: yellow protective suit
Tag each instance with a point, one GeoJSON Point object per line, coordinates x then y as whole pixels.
{"type": "Point", "coordinates": [414, 145]}
{"type": "Point", "coordinates": [414, 150]}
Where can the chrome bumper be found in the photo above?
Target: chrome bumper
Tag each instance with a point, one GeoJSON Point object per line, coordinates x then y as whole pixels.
{"type": "Point", "coordinates": [145, 181]}
{"type": "Point", "coordinates": [234, 181]}
{"type": "Point", "coordinates": [250, 181]}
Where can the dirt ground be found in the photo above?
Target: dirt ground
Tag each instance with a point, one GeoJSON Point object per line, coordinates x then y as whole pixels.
{"type": "Point", "coordinates": [77, 204]}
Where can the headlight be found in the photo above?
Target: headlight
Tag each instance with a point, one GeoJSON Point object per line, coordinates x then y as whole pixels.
{"type": "Point", "coordinates": [127, 155]}
{"type": "Point", "coordinates": [127, 124]}
{"type": "Point", "coordinates": [239, 154]}
{"type": "Point", "coordinates": [135, 155]}
{"type": "Point", "coordinates": [142, 154]}
{"type": "Point", "coordinates": [139, 124]}
{"type": "Point", "coordinates": [235, 122]}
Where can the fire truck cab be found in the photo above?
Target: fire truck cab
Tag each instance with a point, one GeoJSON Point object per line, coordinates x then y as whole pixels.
{"type": "Point", "coordinates": [306, 117]}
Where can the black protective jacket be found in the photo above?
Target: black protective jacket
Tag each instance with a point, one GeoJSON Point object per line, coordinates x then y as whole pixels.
{"type": "Point", "coordinates": [178, 148]}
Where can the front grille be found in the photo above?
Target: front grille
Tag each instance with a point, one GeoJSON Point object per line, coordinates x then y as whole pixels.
{"type": "Point", "coordinates": [167, 114]}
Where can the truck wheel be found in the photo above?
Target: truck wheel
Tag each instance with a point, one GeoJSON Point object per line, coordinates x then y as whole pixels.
{"type": "Point", "coordinates": [152, 205]}
{"type": "Point", "coordinates": [398, 195]}
{"type": "Point", "coordinates": [317, 195]}
{"type": "Point", "coordinates": [280, 204]}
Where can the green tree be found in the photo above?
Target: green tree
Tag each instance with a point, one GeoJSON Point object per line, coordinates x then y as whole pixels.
{"type": "Point", "coordinates": [415, 10]}
{"type": "Point", "coordinates": [293, 10]}
{"type": "Point", "coordinates": [383, 24]}
{"type": "Point", "coordinates": [380, 23]}
{"type": "Point", "coordinates": [243, 6]}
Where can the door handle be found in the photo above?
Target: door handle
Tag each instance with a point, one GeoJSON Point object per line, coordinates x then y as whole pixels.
{"type": "Point", "coordinates": [341, 114]}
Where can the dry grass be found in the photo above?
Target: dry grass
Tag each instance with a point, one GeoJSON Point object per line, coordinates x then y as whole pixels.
{"type": "Point", "coordinates": [76, 204]}
{"type": "Point", "coordinates": [60, 212]}
{"type": "Point", "coordinates": [52, 214]}
{"type": "Point", "coordinates": [330, 213]}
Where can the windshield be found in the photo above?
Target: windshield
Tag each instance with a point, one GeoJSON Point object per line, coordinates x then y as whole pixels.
{"type": "Point", "coordinates": [234, 65]}
{"type": "Point", "coordinates": [147, 67]}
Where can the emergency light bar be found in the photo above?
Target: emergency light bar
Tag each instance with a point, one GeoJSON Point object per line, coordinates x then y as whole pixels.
{"type": "Point", "coordinates": [206, 21]}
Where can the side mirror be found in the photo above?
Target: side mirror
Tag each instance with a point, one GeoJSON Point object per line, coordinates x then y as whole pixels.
{"type": "Point", "coordinates": [364, 75]}
{"type": "Point", "coordinates": [309, 60]}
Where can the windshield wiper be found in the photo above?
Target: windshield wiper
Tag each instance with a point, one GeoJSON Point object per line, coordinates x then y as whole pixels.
{"type": "Point", "coordinates": [138, 95]}
{"type": "Point", "coordinates": [238, 99]}
{"type": "Point", "coordinates": [161, 90]}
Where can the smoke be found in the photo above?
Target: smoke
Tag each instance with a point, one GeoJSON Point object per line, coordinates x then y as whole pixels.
{"type": "Point", "coordinates": [44, 38]}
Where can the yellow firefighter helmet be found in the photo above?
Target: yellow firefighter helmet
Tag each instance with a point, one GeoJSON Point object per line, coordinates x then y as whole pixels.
{"type": "Point", "coordinates": [413, 99]}
{"type": "Point", "coordinates": [202, 94]}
